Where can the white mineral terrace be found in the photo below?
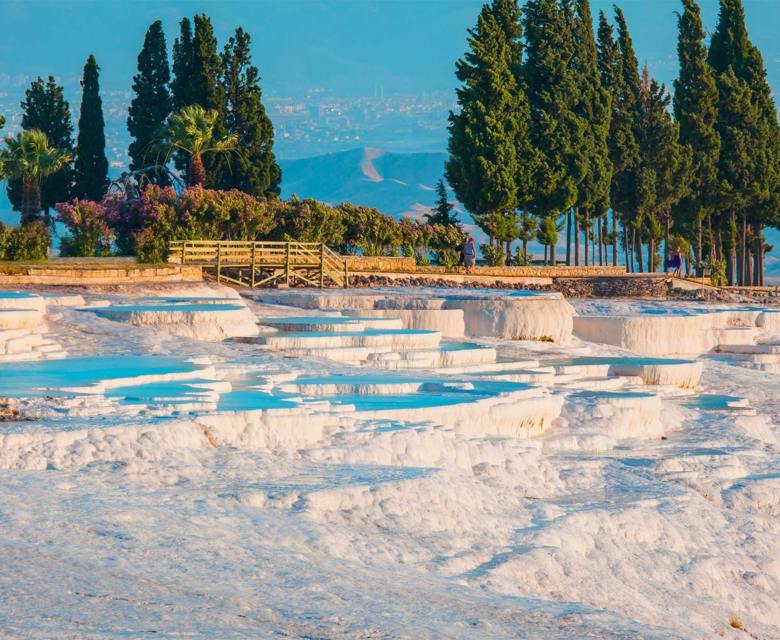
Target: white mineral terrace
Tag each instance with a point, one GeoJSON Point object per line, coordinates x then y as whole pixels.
{"type": "Point", "coordinates": [185, 461]}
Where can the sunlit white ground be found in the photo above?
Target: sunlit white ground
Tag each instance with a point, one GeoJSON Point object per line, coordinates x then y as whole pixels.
{"type": "Point", "coordinates": [641, 512]}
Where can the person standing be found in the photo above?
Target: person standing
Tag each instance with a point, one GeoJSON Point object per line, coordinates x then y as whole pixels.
{"type": "Point", "coordinates": [468, 253]}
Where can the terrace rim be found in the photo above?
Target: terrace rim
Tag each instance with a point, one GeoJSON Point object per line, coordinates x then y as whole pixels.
{"type": "Point", "coordinates": [258, 264]}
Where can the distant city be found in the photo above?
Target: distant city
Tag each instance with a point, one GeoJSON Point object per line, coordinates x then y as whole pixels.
{"type": "Point", "coordinates": [318, 122]}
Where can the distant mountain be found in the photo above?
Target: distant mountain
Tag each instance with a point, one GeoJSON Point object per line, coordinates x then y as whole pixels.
{"type": "Point", "coordinates": [395, 183]}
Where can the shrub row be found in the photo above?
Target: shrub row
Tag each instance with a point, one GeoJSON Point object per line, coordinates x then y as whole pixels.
{"type": "Point", "coordinates": [145, 225]}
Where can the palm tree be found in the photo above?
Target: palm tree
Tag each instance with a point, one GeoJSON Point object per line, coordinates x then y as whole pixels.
{"type": "Point", "coordinates": [28, 157]}
{"type": "Point", "coordinates": [193, 131]}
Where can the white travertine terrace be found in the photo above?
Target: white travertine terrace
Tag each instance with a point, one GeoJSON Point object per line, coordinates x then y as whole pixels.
{"type": "Point", "coordinates": [208, 322]}
{"type": "Point", "coordinates": [492, 478]}
{"type": "Point", "coordinates": [667, 334]}
{"type": "Point", "coordinates": [23, 328]}
{"type": "Point", "coordinates": [485, 314]}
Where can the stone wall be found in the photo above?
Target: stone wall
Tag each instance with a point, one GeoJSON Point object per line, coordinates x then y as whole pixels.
{"type": "Point", "coordinates": [380, 263]}
{"type": "Point", "coordinates": [93, 272]}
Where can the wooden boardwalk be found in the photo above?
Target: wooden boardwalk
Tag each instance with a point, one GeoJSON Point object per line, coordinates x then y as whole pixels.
{"type": "Point", "coordinates": [264, 264]}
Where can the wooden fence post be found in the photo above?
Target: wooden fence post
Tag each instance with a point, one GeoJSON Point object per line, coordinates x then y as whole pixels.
{"type": "Point", "coordinates": [219, 261]}
{"type": "Point", "coordinates": [254, 249]}
{"type": "Point", "coordinates": [287, 265]}
{"type": "Point", "coordinates": [183, 245]}
{"type": "Point", "coordinates": [322, 265]}
{"type": "Point", "coordinates": [346, 274]}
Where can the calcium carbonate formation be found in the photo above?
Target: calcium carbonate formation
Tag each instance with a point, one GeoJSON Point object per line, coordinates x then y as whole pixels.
{"type": "Point", "coordinates": [506, 444]}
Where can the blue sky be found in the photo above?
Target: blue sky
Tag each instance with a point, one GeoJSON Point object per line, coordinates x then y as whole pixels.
{"type": "Point", "coordinates": [349, 46]}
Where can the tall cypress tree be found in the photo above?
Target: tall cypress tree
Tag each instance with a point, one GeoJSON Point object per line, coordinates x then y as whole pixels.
{"type": "Point", "coordinates": [205, 85]}
{"type": "Point", "coordinates": [552, 93]}
{"type": "Point", "coordinates": [44, 108]}
{"type": "Point", "coordinates": [151, 105]}
{"type": "Point", "coordinates": [91, 167]}
{"type": "Point", "coordinates": [622, 145]}
{"type": "Point", "coordinates": [624, 188]}
{"type": "Point", "coordinates": [593, 108]}
{"type": "Point", "coordinates": [482, 166]}
{"type": "Point", "coordinates": [696, 110]}
{"type": "Point", "coordinates": [766, 211]}
{"type": "Point", "coordinates": [181, 87]}
{"type": "Point", "coordinates": [256, 170]}
{"type": "Point", "coordinates": [509, 18]}
{"type": "Point", "coordinates": [665, 164]}
{"type": "Point", "coordinates": [745, 127]}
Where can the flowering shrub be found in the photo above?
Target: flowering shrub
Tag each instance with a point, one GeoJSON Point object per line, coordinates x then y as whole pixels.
{"type": "Point", "coordinates": [369, 231]}
{"type": "Point", "coordinates": [90, 234]}
{"type": "Point", "coordinates": [145, 225]}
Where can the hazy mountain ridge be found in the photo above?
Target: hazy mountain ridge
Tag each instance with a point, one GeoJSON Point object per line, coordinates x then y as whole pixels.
{"type": "Point", "coordinates": [395, 183]}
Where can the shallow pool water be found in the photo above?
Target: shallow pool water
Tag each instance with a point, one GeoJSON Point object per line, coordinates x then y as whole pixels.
{"type": "Point", "coordinates": [712, 402]}
{"type": "Point", "coordinates": [36, 379]}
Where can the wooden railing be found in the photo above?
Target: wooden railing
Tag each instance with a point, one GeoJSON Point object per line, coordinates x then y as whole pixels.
{"type": "Point", "coordinates": [257, 264]}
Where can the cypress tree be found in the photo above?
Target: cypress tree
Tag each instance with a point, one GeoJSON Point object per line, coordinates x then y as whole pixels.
{"type": "Point", "coordinates": [765, 212]}
{"type": "Point", "coordinates": [482, 166]}
{"type": "Point", "coordinates": [624, 188]}
{"type": "Point", "coordinates": [442, 212]}
{"type": "Point", "coordinates": [256, 170]}
{"type": "Point", "coordinates": [181, 87]}
{"type": "Point", "coordinates": [207, 90]}
{"type": "Point", "coordinates": [44, 108]}
{"type": "Point", "coordinates": [665, 164]}
{"type": "Point", "coordinates": [746, 128]}
{"type": "Point", "coordinates": [91, 166]}
{"type": "Point", "coordinates": [621, 142]}
{"type": "Point", "coordinates": [593, 108]}
{"type": "Point", "coordinates": [151, 105]}
{"type": "Point", "coordinates": [554, 128]}
{"type": "Point", "coordinates": [509, 18]}
{"type": "Point", "coordinates": [205, 86]}
{"type": "Point", "coordinates": [696, 110]}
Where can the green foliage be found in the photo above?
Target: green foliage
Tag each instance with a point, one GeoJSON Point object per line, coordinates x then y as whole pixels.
{"type": "Point", "coordinates": [446, 242]}
{"type": "Point", "coordinates": [28, 242]}
{"type": "Point", "coordinates": [442, 211]}
{"type": "Point", "coordinates": [310, 221]}
{"type": "Point", "coordinates": [717, 269]}
{"type": "Point", "coordinates": [551, 89]}
{"type": "Point", "coordinates": [144, 226]}
{"type": "Point", "coordinates": [483, 159]}
{"type": "Point", "coordinates": [590, 159]}
{"type": "Point", "coordinates": [521, 258]}
{"type": "Point", "coordinates": [256, 170]}
{"type": "Point", "coordinates": [44, 108]}
{"type": "Point", "coordinates": [493, 253]}
{"type": "Point", "coordinates": [696, 110]}
{"type": "Point", "coordinates": [6, 235]}
{"type": "Point", "coordinates": [370, 232]}
{"type": "Point", "coordinates": [91, 165]}
{"type": "Point", "coordinates": [665, 164]}
{"type": "Point", "coordinates": [193, 131]}
{"type": "Point", "coordinates": [182, 93]}
{"type": "Point", "coordinates": [29, 159]}
{"type": "Point", "coordinates": [151, 104]}
{"type": "Point", "coordinates": [90, 234]}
